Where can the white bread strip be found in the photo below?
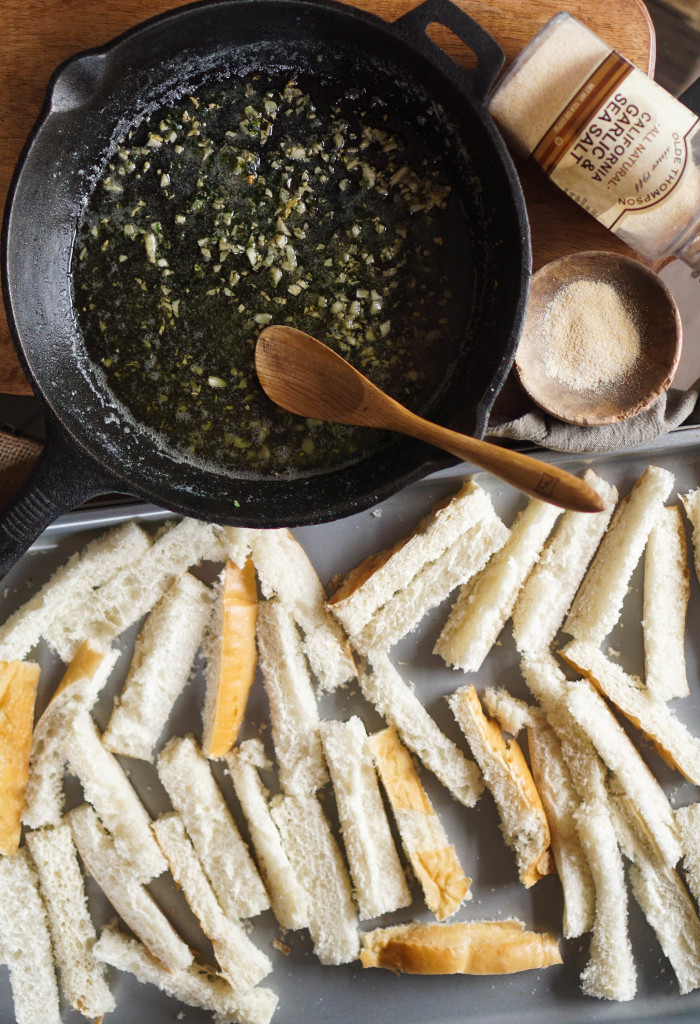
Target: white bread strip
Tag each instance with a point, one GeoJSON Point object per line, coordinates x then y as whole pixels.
{"type": "Point", "coordinates": [285, 572]}
{"type": "Point", "coordinates": [666, 593]}
{"type": "Point", "coordinates": [691, 504]}
{"type": "Point", "coordinates": [457, 564]}
{"type": "Point", "coordinates": [124, 890]}
{"type": "Point", "coordinates": [375, 581]}
{"type": "Point", "coordinates": [377, 875]}
{"type": "Point", "coordinates": [512, 714]}
{"type": "Point", "coordinates": [107, 788]}
{"type": "Point", "coordinates": [132, 592]}
{"type": "Point", "coordinates": [546, 597]}
{"type": "Point", "coordinates": [597, 605]}
{"type": "Point", "coordinates": [561, 802]}
{"type": "Point", "coordinates": [673, 741]}
{"type": "Point", "coordinates": [467, 947]}
{"type": "Point", "coordinates": [688, 821]}
{"type": "Point", "coordinates": [160, 668]}
{"type": "Point", "coordinates": [549, 686]}
{"type": "Point", "coordinates": [662, 896]}
{"type": "Point", "coordinates": [71, 588]}
{"type": "Point", "coordinates": [18, 685]}
{"type": "Point", "coordinates": [320, 868]}
{"type": "Point", "coordinates": [241, 962]}
{"type": "Point", "coordinates": [231, 657]}
{"type": "Point", "coordinates": [396, 702]}
{"type": "Point", "coordinates": [77, 692]}
{"type": "Point", "coordinates": [610, 972]}
{"type": "Point", "coordinates": [187, 777]}
{"type": "Point", "coordinates": [624, 760]}
{"type": "Point", "coordinates": [294, 715]}
{"type": "Point", "coordinates": [587, 774]}
{"type": "Point", "coordinates": [82, 978]}
{"type": "Point", "coordinates": [432, 857]}
{"type": "Point", "coordinates": [485, 604]}
{"type": "Point", "coordinates": [198, 986]}
{"type": "Point", "coordinates": [288, 898]}
{"type": "Point", "coordinates": [523, 821]}
{"type": "Point", "coordinates": [26, 943]}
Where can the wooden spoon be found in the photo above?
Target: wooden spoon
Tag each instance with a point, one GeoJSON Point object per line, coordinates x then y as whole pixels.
{"type": "Point", "coordinates": [306, 377]}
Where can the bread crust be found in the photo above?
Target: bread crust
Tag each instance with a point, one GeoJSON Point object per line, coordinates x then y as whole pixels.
{"type": "Point", "coordinates": [465, 947]}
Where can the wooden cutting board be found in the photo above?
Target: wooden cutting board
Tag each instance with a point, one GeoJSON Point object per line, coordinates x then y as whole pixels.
{"type": "Point", "coordinates": [38, 34]}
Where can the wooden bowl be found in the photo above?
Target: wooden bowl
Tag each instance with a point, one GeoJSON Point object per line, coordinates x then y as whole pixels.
{"type": "Point", "coordinates": [602, 338]}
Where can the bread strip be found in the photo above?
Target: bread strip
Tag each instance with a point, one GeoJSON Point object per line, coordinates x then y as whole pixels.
{"type": "Point", "coordinates": [26, 943]}
{"type": "Point", "coordinates": [18, 683]}
{"type": "Point", "coordinates": [241, 962]}
{"type": "Point", "coordinates": [662, 896]}
{"type": "Point", "coordinates": [676, 745]}
{"type": "Point", "coordinates": [195, 795]}
{"type": "Point", "coordinates": [288, 898]}
{"type": "Point", "coordinates": [293, 711]}
{"type": "Point", "coordinates": [610, 972]}
{"type": "Point", "coordinates": [523, 821]}
{"type": "Point", "coordinates": [433, 859]}
{"type": "Point", "coordinates": [375, 581]}
{"type": "Point", "coordinates": [512, 714]}
{"type": "Point", "coordinates": [199, 986]}
{"type": "Point", "coordinates": [124, 890]}
{"type": "Point", "coordinates": [320, 868]}
{"type": "Point", "coordinates": [232, 658]}
{"type": "Point", "coordinates": [622, 757]}
{"type": "Point", "coordinates": [467, 947]}
{"type": "Point", "coordinates": [485, 604]}
{"type": "Point", "coordinates": [286, 573]}
{"type": "Point", "coordinates": [597, 605]}
{"type": "Point", "coordinates": [71, 589]}
{"type": "Point", "coordinates": [457, 564]}
{"type": "Point", "coordinates": [666, 593]}
{"type": "Point", "coordinates": [107, 788]}
{"type": "Point", "coordinates": [78, 690]}
{"type": "Point", "coordinates": [550, 588]}
{"type": "Point", "coordinates": [691, 504]}
{"type": "Point", "coordinates": [131, 593]}
{"type": "Point", "coordinates": [561, 802]}
{"type": "Point", "coordinates": [548, 684]}
{"type": "Point", "coordinates": [160, 668]}
{"type": "Point", "coordinates": [397, 703]}
{"type": "Point", "coordinates": [83, 979]}
{"type": "Point", "coordinates": [688, 821]}
{"type": "Point", "coordinates": [377, 875]}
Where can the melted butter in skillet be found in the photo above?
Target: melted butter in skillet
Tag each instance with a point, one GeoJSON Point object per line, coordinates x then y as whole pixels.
{"type": "Point", "coordinates": [253, 205]}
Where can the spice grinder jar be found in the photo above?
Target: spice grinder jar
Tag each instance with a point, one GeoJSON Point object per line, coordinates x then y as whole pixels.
{"type": "Point", "coordinates": [611, 138]}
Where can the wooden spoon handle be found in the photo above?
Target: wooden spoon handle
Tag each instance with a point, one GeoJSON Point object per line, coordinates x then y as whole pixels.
{"type": "Point", "coordinates": [549, 483]}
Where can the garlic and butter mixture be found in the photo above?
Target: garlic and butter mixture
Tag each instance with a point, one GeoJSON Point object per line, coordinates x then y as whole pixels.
{"type": "Point", "coordinates": [256, 203]}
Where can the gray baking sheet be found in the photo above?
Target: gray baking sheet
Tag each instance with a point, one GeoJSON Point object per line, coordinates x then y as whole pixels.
{"type": "Point", "coordinates": [314, 994]}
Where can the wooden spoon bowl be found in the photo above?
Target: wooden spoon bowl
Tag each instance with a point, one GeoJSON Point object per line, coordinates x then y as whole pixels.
{"type": "Point", "coordinates": [309, 379]}
{"type": "Point", "coordinates": [658, 323]}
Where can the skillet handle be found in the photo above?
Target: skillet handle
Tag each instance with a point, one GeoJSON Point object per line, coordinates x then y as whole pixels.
{"type": "Point", "coordinates": [63, 478]}
{"type": "Point", "coordinates": [490, 56]}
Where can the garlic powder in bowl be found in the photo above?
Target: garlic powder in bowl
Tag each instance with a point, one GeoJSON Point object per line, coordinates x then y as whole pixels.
{"type": "Point", "coordinates": [601, 341]}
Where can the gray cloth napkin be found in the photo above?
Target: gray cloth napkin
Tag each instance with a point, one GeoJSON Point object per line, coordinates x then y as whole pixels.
{"type": "Point", "coordinates": [667, 413]}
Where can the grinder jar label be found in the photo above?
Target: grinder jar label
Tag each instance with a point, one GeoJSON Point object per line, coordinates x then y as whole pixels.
{"type": "Point", "coordinates": [620, 145]}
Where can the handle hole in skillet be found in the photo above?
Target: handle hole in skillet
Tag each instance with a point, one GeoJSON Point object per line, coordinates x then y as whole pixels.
{"type": "Point", "coordinates": [453, 46]}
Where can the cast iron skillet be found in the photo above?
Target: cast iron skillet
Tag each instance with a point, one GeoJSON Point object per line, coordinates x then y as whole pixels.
{"type": "Point", "coordinates": [94, 97]}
